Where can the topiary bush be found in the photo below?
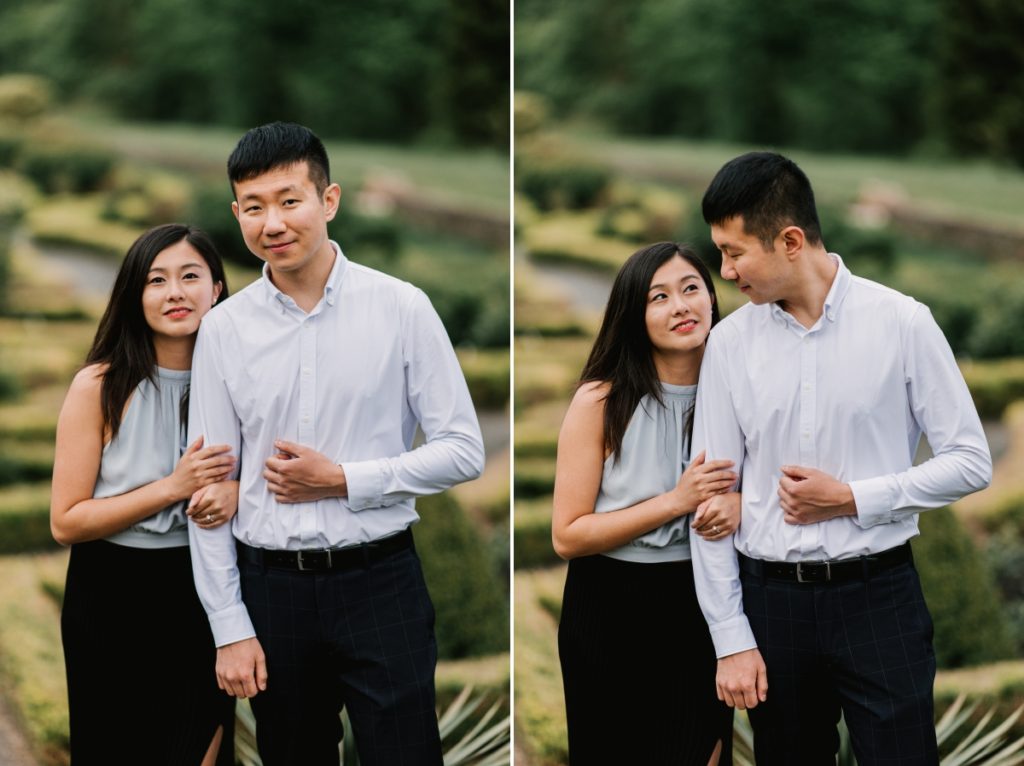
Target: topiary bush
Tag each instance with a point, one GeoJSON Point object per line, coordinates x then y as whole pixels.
{"type": "Point", "coordinates": [66, 169]}
{"type": "Point", "coordinates": [961, 594]}
{"type": "Point", "coordinates": [472, 612]}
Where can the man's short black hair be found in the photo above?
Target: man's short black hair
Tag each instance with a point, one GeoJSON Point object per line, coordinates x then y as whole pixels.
{"type": "Point", "coordinates": [769, 191]}
{"type": "Point", "coordinates": [276, 145]}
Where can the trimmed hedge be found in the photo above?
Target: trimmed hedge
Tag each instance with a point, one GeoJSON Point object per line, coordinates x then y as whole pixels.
{"type": "Point", "coordinates": [25, 518]}
{"type": "Point", "coordinates": [532, 534]}
{"type": "Point", "coordinates": [469, 600]}
{"type": "Point", "coordinates": [961, 594]}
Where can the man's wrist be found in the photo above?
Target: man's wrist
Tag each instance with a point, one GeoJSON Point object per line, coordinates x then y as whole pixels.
{"type": "Point", "coordinates": [340, 487]}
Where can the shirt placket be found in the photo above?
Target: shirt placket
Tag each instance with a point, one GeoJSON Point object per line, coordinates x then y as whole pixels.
{"type": "Point", "coordinates": [307, 408]}
{"type": "Point", "coordinates": [809, 533]}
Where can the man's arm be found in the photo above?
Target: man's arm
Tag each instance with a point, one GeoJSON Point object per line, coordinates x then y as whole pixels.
{"type": "Point", "coordinates": [942, 405]}
{"type": "Point", "coordinates": [440, 399]}
{"type": "Point", "coordinates": [741, 679]}
{"type": "Point", "coordinates": [214, 564]}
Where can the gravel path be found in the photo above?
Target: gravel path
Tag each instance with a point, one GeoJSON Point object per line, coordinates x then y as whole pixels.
{"type": "Point", "coordinates": [14, 749]}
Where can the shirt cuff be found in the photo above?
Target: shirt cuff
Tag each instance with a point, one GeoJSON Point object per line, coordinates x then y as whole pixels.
{"type": "Point", "coordinates": [874, 499]}
{"type": "Point", "coordinates": [732, 636]}
{"type": "Point", "coordinates": [231, 625]}
{"type": "Point", "coordinates": [365, 482]}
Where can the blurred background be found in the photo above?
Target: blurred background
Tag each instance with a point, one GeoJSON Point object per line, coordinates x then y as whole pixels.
{"type": "Point", "coordinates": [116, 116]}
{"type": "Point", "coordinates": [909, 121]}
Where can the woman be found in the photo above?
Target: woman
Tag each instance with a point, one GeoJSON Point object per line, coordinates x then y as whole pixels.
{"type": "Point", "coordinates": [638, 665]}
{"type": "Point", "coordinates": [133, 628]}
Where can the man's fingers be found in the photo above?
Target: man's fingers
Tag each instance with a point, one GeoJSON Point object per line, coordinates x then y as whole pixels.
{"type": "Point", "coordinates": [261, 672]}
{"type": "Point", "coordinates": [762, 683]}
{"type": "Point", "coordinates": [289, 447]}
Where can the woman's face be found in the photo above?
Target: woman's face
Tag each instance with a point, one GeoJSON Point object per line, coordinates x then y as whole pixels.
{"type": "Point", "coordinates": [678, 308]}
{"type": "Point", "coordinates": [179, 291]}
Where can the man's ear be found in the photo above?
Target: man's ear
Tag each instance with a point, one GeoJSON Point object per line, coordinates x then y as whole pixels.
{"type": "Point", "coordinates": [332, 197]}
{"type": "Point", "coordinates": [793, 240]}
{"type": "Point", "coordinates": [234, 209]}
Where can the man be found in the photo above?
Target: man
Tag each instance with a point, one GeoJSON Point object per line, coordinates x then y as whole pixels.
{"type": "Point", "coordinates": [317, 375]}
{"type": "Point", "coordinates": [820, 389]}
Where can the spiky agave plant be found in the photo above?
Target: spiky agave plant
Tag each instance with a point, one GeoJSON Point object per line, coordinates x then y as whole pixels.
{"type": "Point", "coordinates": [486, 743]}
{"type": "Point", "coordinates": [977, 748]}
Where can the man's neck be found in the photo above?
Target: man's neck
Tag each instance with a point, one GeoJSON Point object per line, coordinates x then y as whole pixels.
{"type": "Point", "coordinates": [306, 286]}
{"type": "Point", "coordinates": [806, 303]}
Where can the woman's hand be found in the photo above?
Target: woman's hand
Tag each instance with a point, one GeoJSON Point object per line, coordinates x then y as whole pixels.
{"type": "Point", "coordinates": [718, 517]}
{"type": "Point", "coordinates": [199, 467]}
{"type": "Point", "coordinates": [703, 480]}
{"type": "Point", "coordinates": [214, 505]}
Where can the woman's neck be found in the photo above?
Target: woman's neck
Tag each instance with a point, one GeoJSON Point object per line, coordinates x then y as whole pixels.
{"type": "Point", "coordinates": [680, 369]}
{"type": "Point", "coordinates": [174, 353]}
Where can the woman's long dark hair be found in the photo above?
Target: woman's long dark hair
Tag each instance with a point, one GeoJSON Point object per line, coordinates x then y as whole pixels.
{"type": "Point", "coordinates": [622, 353]}
{"type": "Point", "coordinates": [124, 340]}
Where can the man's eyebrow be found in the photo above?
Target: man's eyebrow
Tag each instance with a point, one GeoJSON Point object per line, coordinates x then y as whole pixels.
{"type": "Point", "coordinates": [276, 193]}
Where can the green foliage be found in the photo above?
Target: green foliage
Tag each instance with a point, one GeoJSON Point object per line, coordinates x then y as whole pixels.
{"type": "Point", "coordinates": [472, 615]}
{"type": "Point", "coordinates": [73, 169]}
{"type": "Point", "coordinates": [388, 71]}
{"type": "Point", "coordinates": [871, 76]}
{"type": "Point", "coordinates": [532, 534]}
{"type": "Point", "coordinates": [1005, 554]}
{"type": "Point", "coordinates": [25, 518]}
{"type": "Point", "coordinates": [551, 183]}
{"type": "Point", "coordinates": [961, 594]}
{"type": "Point", "coordinates": [146, 198]}
{"type": "Point", "coordinates": [534, 477]}
{"type": "Point", "coordinates": [24, 97]}
{"type": "Point", "coordinates": [994, 384]}
{"type": "Point", "coordinates": [981, 77]}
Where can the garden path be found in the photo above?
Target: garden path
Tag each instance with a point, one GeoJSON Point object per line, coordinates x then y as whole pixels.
{"type": "Point", "coordinates": [14, 750]}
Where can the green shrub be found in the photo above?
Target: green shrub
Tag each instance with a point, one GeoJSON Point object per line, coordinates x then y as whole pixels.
{"type": "Point", "coordinates": [71, 169]}
{"type": "Point", "coordinates": [10, 148]}
{"type": "Point", "coordinates": [551, 183]}
{"type": "Point", "coordinates": [534, 477]}
{"type": "Point", "coordinates": [24, 97]}
{"type": "Point", "coordinates": [961, 594]}
{"type": "Point", "coordinates": [994, 384]}
{"type": "Point", "coordinates": [25, 518]}
{"type": "Point", "coordinates": [147, 198]}
{"type": "Point", "coordinates": [472, 614]}
{"type": "Point", "coordinates": [21, 468]}
{"type": "Point", "coordinates": [10, 387]}
{"type": "Point", "coordinates": [532, 534]}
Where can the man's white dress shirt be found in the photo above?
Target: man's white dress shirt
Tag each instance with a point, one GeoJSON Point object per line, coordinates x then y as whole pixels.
{"type": "Point", "coordinates": [850, 396]}
{"type": "Point", "coordinates": [351, 380]}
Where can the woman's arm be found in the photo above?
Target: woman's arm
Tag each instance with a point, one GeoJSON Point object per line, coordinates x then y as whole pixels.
{"type": "Point", "coordinates": [75, 515]}
{"type": "Point", "coordinates": [575, 529]}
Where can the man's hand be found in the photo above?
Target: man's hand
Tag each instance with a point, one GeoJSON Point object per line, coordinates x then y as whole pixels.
{"type": "Point", "coordinates": [242, 668]}
{"type": "Point", "coordinates": [742, 680]}
{"type": "Point", "coordinates": [808, 496]}
{"type": "Point", "coordinates": [299, 474]}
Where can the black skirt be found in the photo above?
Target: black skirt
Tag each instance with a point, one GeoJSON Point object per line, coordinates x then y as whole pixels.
{"type": "Point", "coordinates": [134, 632]}
{"type": "Point", "coordinates": [638, 666]}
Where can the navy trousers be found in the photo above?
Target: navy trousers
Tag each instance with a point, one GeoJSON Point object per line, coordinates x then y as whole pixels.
{"type": "Point", "coordinates": [360, 638]}
{"type": "Point", "coordinates": [862, 648]}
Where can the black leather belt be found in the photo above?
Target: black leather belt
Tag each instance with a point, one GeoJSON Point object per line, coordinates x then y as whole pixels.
{"type": "Point", "coordinates": [841, 570]}
{"type": "Point", "coordinates": [324, 559]}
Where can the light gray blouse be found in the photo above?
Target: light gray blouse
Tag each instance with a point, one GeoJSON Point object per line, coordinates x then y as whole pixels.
{"type": "Point", "coordinates": [655, 451]}
{"type": "Point", "coordinates": [147, 447]}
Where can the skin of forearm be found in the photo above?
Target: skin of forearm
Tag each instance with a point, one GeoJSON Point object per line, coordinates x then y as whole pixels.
{"type": "Point", "coordinates": [599, 532]}
{"type": "Point", "coordinates": [95, 518]}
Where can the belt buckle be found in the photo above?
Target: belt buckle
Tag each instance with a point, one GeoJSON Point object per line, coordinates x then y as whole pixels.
{"type": "Point", "coordinates": [312, 567]}
{"type": "Point", "coordinates": [810, 577]}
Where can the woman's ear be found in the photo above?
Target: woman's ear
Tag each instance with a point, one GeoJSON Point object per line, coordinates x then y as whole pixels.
{"type": "Point", "coordinates": [218, 288]}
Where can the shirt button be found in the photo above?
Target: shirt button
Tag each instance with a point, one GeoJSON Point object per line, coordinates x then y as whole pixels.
{"type": "Point", "coordinates": [305, 420]}
{"type": "Point", "coordinates": [305, 371]}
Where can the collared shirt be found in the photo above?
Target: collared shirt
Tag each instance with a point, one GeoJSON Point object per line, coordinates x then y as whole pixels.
{"type": "Point", "coordinates": [850, 396]}
{"type": "Point", "coordinates": [351, 379]}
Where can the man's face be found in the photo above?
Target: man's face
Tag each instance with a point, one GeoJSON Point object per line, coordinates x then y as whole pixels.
{"type": "Point", "coordinates": [283, 219]}
{"type": "Point", "coordinates": [758, 272]}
